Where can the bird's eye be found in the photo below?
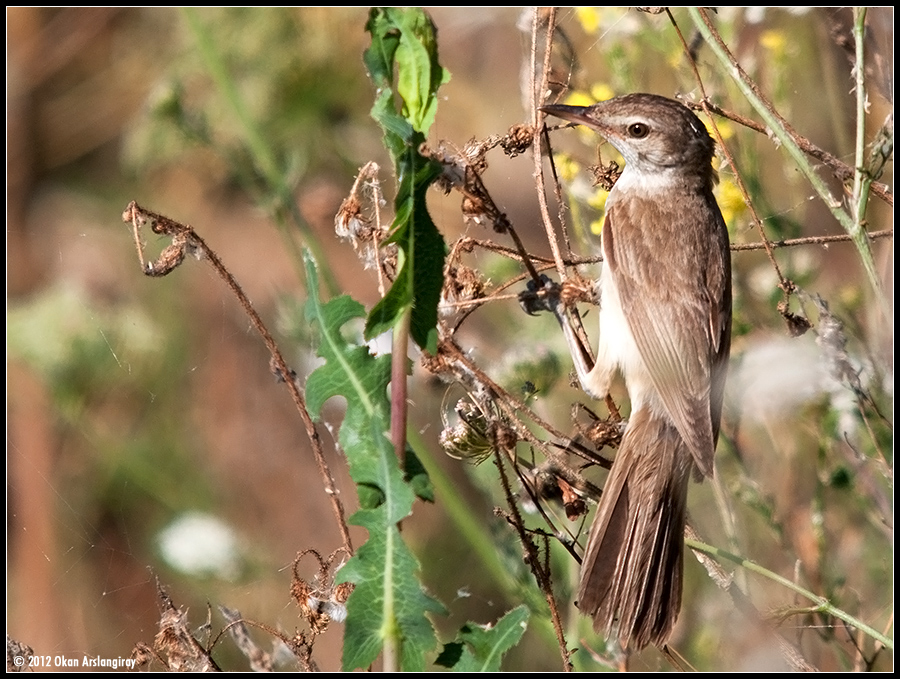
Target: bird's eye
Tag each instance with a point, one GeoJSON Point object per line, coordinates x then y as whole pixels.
{"type": "Point", "coordinates": [638, 130]}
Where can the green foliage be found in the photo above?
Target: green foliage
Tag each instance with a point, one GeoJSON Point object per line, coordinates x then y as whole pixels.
{"type": "Point", "coordinates": [407, 39]}
{"type": "Point", "coordinates": [240, 85]}
{"type": "Point", "coordinates": [388, 605]}
{"type": "Point", "coordinates": [480, 648]}
{"type": "Point", "coordinates": [386, 612]}
{"type": "Point", "coordinates": [66, 337]}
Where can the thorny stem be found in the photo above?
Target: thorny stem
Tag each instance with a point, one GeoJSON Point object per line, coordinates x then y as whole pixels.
{"type": "Point", "coordinates": [185, 239]}
{"type": "Point", "coordinates": [541, 574]}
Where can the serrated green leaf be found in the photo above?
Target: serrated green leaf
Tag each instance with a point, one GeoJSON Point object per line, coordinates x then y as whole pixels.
{"type": "Point", "coordinates": [479, 648]}
{"type": "Point", "coordinates": [388, 601]}
{"type": "Point", "coordinates": [388, 604]}
{"type": "Point", "coordinates": [349, 369]}
{"type": "Point", "coordinates": [379, 58]}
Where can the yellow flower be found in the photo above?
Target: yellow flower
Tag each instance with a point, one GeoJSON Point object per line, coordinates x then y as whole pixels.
{"type": "Point", "coordinates": [589, 18]}
{"type": "Point", "coordinates": [599, 92]}
{"type": "Point", "coordinates": [598, 199]}
{"type": "Point", "coordinates": [602, 92]}
{"type": "Point", "coordinates": [675, 58]}
{"type": "Point", "coordinates": [576, 98]}
{"type": "Point", "coordinates": [566, 168]}
{"type": "Point", "coordinates": [726, 129]}
{"type": "Point", "coordinates": [731, 202]}
{"type": "Point", "coordinates": [774, 41]}
{"type": "Point", "coordinates": [583, 99]}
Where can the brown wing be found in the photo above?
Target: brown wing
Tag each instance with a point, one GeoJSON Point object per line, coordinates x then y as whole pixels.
{"type": "Point", "coordinates": [673, 278]}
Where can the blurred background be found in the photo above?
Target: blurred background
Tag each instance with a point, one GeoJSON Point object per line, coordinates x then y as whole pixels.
{"type": "Point", "coordinates": [146, 436]}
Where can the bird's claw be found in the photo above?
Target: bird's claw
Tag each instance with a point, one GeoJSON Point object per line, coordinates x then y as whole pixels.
{"type": "Point", "coordinates": [540, 296]}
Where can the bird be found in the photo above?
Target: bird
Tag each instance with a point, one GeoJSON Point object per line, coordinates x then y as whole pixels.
{"type": "Point", "coordinates": [665, 326]}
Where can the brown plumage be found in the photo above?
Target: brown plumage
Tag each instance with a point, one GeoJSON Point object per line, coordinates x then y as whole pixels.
{"type": "Point", "coordinates": [665, 324]}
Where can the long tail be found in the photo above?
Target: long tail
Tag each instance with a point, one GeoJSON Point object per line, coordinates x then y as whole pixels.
{"type": "Point", "coordinates": [632, 568]}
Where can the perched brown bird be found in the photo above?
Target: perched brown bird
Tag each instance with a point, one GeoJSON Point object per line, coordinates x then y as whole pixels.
{"type": "Point", "coordinates": [665, 324]}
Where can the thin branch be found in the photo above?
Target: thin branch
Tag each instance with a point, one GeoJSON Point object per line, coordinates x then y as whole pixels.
{"type": "Point", "coordinates": [783, 283]}
{"type": "Point", "coordinates": [809, 240]}
{"type": "Point", "coordinates": [186, 241]}
{"type": "Point", "coordinates": [541, 574]}
{"type": "Point", "coordinates": [787, 136]}
{"type": "Point", "coordinates": [822, 605]}
{"type": "Point", "coordinates": [546, 263]}
{"type": "Point", "coordinates": [537, 99]}
{"type": "Point", "coordinates": [575, 260]}
{"type": "Point", "coordinates": [841, 170]}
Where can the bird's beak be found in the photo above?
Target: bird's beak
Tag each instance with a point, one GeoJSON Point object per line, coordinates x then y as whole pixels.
{"type": "Point", "coordinates": [575, 114]}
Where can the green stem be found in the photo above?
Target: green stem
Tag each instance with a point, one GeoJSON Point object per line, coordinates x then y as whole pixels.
{"type": "Point", "coordinates": [821, 604]}
{"type": "Point", "coordinates": [861, 178]}
{"type": "Point", "coordinates": [859, 26]}
{"type": "Point", "coordinates": [261, 151]}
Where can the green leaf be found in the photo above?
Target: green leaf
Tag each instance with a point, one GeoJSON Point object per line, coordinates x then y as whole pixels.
{"type": "Point", "coordinates": [417, 476]}
{"type": "Point", "coordinates": [388, 605]}
{"type": "Point", "coordinates": [480, 648]}
{"type": "Point", "coordinates": [422, 251]}
{"type": "Point", "coordinates": [419, 73]}
{"type": "Point", "coordinates": [407, 38]}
